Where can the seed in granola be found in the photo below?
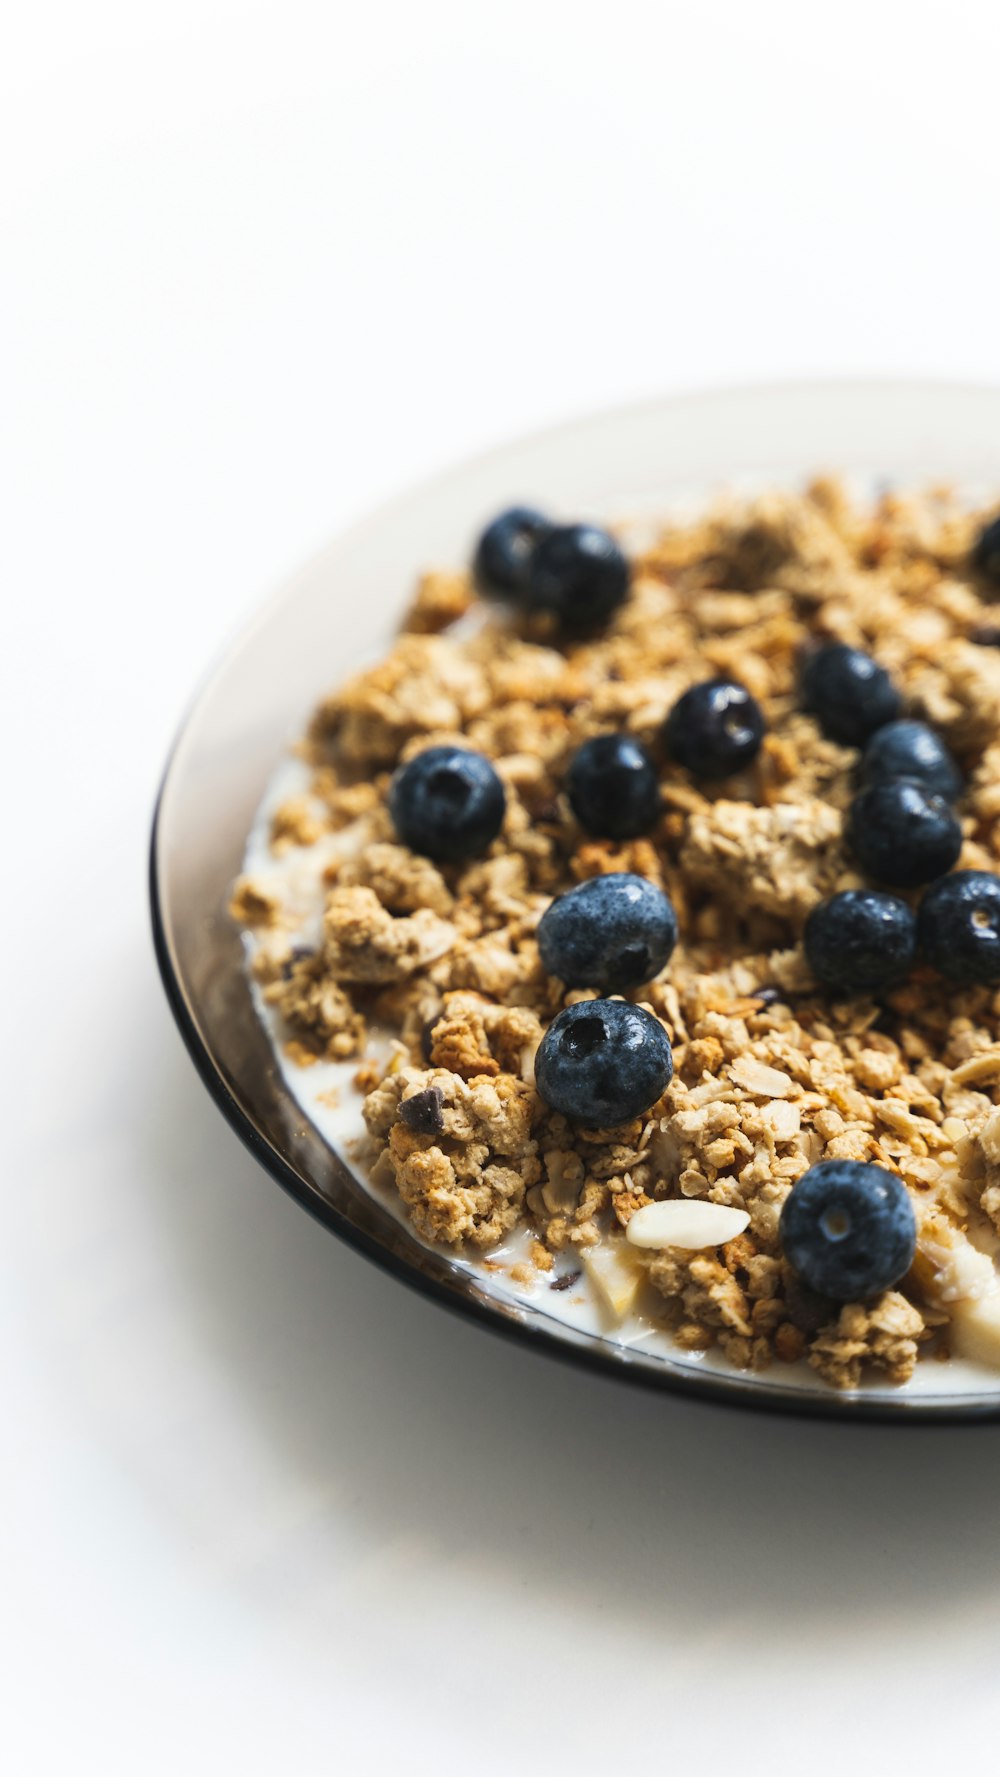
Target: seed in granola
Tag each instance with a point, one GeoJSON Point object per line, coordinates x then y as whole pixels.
{"type": "Point", "coordinates": [715, 729]}
{"type": "Point", "coordinates": [860, 941]}
{"type": "Point", "coordinates": [602, 1062]}
{"type": "Point", "coordinates": [298, 954]}
{"type": "Point", "coordinates": [958, 927]}
{"type": "Point", "coordinates": [808, 1310]}
{"type": "Point", "coordinates": [423, 1111]}
{"type": "Point", "coordinates": [911, 749]}
{"type": "Point", "coordinates": [986, 635]}
{"type": "Point", "coordinates": [612, 787]}
{"type": "Point", "coordinates": [612, 932]}
{"type": "Point", "coordinates": [848, 1229]}
{"type": "Point", "coordinates": [504, 551]}
{"type": "Point", "coordinates": [849, 693]}
{"type": "Point", "coordinates": [565, 1281]}
{"type": "Point", "coordinates": [579, 574]}
{"type": "Point", "coordinates": [902, 835]}
{"type": "Point", "coordinates": [789, 1345]}
{"type": "Point", "coordinates": [986, 552]}
{"type": "Point", "coordinates": [447, 803]}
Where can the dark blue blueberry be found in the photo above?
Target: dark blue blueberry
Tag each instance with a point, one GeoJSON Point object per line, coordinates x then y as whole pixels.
{"type": "Point", "coordinates": [447, 803]}
{"type": "Point", "coordinates": [860, 941]}
{"type": "Point", "coordinates": [613, 932]}
{"type": "Point", "coordinates": [579, 573]}
{"type": "Point", "coordinates": [503, 553]}
{"type": "Point", "coordinates": [902, 835]}
{"type": "Point", "coordinates": [850, 695]}
{"type": "Point", "coordinates": [603, 1062]}
{"type": "Point", "coordinates": [958, 927]}
{"type": "Point", "coordinates": [613, 788]}
{"type": "Point", "coordinates": [715, 729]}
{"type": "Point", "coordinates": [911, 749]}
{"type": "Point", "coordinates": [848, 1230]}
{"type": "Point", "coordinates": [986, 552]}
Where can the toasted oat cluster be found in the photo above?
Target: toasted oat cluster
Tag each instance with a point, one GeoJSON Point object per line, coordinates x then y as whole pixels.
{"type": "Point", "coordinates": [771, 1075]}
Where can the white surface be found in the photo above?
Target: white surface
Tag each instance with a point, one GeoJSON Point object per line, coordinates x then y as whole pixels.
{"type": "Point", "coordinates": [259, 1508]}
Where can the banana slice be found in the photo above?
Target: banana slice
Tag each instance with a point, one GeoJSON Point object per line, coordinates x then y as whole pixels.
{"type": "Point", "coordinates": [975, 1329]}
{"type": "Point", "coordinates": [954, 1273]}
{"type": "Point", "coordinates": [616, 1274]}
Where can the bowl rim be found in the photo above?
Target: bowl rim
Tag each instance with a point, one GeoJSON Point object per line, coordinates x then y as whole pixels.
{"type": "Point", "coordinates": [601, 1357]}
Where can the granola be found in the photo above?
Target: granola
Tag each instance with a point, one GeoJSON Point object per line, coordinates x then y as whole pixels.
{"type": "Point", "coordinates": [771, 1075]}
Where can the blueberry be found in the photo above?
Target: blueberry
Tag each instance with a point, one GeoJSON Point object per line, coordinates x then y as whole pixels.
{"type": "Point", "coordinates": [504, 551]}
{"type": "Point", "coordinates": [860, 941]}
{"type": "Point", "coordinates": [902, 835]}
{"type": "Point", "coordinates": [447, 803]}
{"type": "Point", "coordinates": [715, 729]}
{"type": "Point", "coordinates": [613, 932]}
{"type": "Point", "coordinates": [848, 1230]}
{"type": "Point", "coordinates": [958, 927]}
{"type": "Point", "coordinates": [986, 552]}
{"type": "Point", "coordinates": [612, 787]}
{"type": "Point", "coordinates": [911, 749]}
{"type": "Point", "coordinates": [849, 693]}
{"type": "Point", "coordinates": [603, 1062]}
{"type": "Point", "coordinates": [579, 573]}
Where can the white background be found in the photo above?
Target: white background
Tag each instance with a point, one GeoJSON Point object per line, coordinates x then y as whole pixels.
{"type": "Point", "coordinates": [259, 1508]}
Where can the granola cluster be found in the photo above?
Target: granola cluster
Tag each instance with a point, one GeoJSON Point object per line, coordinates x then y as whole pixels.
{"type": "Point", "coordinates": [770, 1074]}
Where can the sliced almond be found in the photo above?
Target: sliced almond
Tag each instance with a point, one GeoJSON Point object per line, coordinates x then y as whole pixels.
{"type": "Point", "coordinates": [616, 1274]}
{"type": "Point", "coordinates": [561, 1190]}
{"type": "Point", "coordinates": [528, 1054]}
{"type": "Point", "coordinates": [781, 1120]}
{"type": "Point", "coordinates": [989, 1137]}
{"type": "Point", "coordinates": [985, 1066]}
{"type": "Point", "coordinates": [759, 1079]}
{"type": "Point", "coordinates": [686, 1221]}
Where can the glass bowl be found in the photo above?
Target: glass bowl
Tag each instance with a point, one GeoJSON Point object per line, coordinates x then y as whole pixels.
{"type": "Point", "coordinates": [340, 610]}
